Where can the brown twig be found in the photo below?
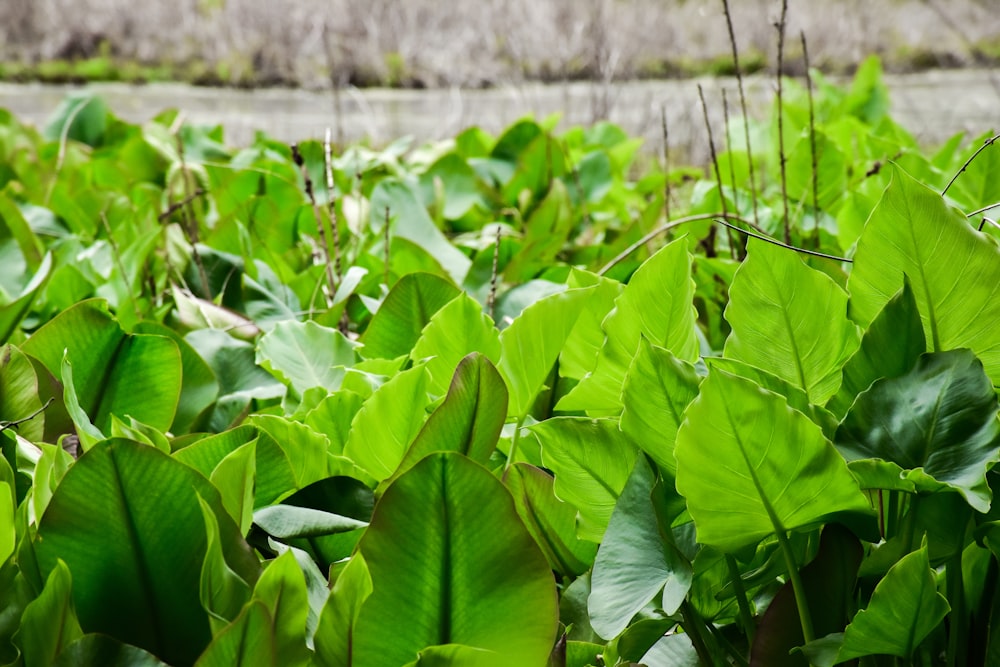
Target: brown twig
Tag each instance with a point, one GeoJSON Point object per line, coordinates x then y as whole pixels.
{"type": "Point", "coordinates": [741, 249]}
{"type": "Point", "coordinates": [666, 163]}
{"type": "Point", "coordinates": [986, 144]}
{"type": "Point", "coordinates": [662, 229]}
{"type": "Point", "coordinates": [332, 204]}
{"type": "Point", "coordinates": [492, 297]}
{"type": "Point", "coordinates": [176, 206]}
{"type": "Point", "coordinates": [190, 225]}
{"type": "Point", "coordinates": [983, 209]}
{"type": "Point", "coordinates": [813, 155]}
{"type": "Point", "coordinates": [116, 253]}
{"type": "Point", "coordinates": [17, 422]}
{"type": "Point", "coordinates": [780, 26]}
{"type": "Point", "coordinates": [387, 243]}
{"type": "Point", "coordinates": [709, 250]}
{"type": "Point", "coordinates": [804, 251]}
{"type": "Point", "coordinates": [743, 107]}
{"type": "Point", "coordinates": [331, 281]}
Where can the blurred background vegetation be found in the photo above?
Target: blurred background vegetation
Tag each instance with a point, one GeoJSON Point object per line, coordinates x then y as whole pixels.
{"type": "Point", "coordinates": [427, 43]}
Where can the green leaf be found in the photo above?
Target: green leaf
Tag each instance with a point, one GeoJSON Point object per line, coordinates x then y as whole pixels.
{"type": "Point", "coordinates": [550, 521]}
{"type": "Point", "coordinates": [120, 500]}
{"type": "Point", "coordinates": [469, 420]}
{"type": "Point", "coordinates": [780, 472]}
{"type": "Point", "coordinates": [49, 622]}
{"type": "Point", "coordinates": [954, 270]}
{"type": "Point", "coordinates": [113, 373]}
{"type": "Point", "coordinates": [413, 223]}
{"type": "Point", "coordinates": [8, 507]}
{"type": "Point", "coordinates": [938, 420]}
{"type": "Point", "coordinates": [644, 309]}
{"type": "Point", "coordinates": [19, 393]}
{"type": "Point", "coordinates": [789, 320]}
{"type": "Point", "coordinates": [404, 313]}
{"type": "Point", "coordinates": [388, 422]}
{"type": "Point", "coordinates": [246, 642]}
{"type": "Point", "coordinates": [657, 390]}
{"type": "Point", "coordinates": [96, 650]}
{"type": "Point", "coordinates": [290, 456]}
{"type": "Point", "coordinates": [82, 116]}
{"type": "Point", "coordinates": [889, 348]}
{"type": "Point", "coordinates": [282, 589]}
{"type": "Point", "coordinates": [903, 610]}
{"type": "Point", "coordinates": [591, 460]}
{"type": "Point", "coordinates": [14, 223]}
{"type": "Point", "coordinates": [457, 329]}
{"type": "Point", "coordinates": [88, 434]}
{"type": "Point", "coordinates": [234, 478]}
{"type": "Point", "coordinates": [288, 521]}
{"type": "Point", "coordinates": [532, 343]}
{"type": "Point", "coordinates": [11, 314]}
{"type": "Point", "coordinates": [635, 561]}
{"type": "Point", "coordinates": [223, 592]}
{"type": "Point", "coordinates": [335, 634]}
{"type": "Point", "coordinates": [304, 355]}
{"type": "Point", "coordinates": [489, 581]}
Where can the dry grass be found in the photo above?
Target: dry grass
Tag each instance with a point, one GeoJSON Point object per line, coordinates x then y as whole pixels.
{"type": "Point", "coordinates": [433, 43]}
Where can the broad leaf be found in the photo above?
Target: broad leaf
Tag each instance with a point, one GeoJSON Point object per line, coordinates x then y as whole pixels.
{"type": "Point", "coordinates": [954, 270]}
{"type": "Point", "coordinates": [591, 460]}
{"type": "Point", "coordinates": [750, 466]}
{"type": "Point", "coordinates": [646, 308]}
{"type": "Point", "coordinates": [903, 610]}
{"type": "Point", "coordinates": [246, 642]}
{"type": "Point", "coordinates": [657, 390]}
{"type": "Point", "coordinates": [49, 623]}
{"type": "Point", "coordinates": [889, 348]}
{"type": "Point", "coordinates": [635, 560]}
{"type": "Point", "coordinates": [12, 313]}
{"type": "Point", "coordinates": [489, 581]}
{"type": "Point", "coordinates": [453, 332]}
{"type": "Point", "coordinates": [19, 393]}
{"type": "Point", "coordinates": [789, 320]}
{"type": "Point", "coordinates": [282, 589]}
{"type": "Point", "coordinates": [552, 522]}
{"type": "Point", "coordinates": [938, 420]}
{"type": "Point", "coordinates": [469, 420]}
{"type": "Point", "coordinates": [113, 373]}
{"type": "Point", "coordinates": [305, 355]}
{"type": "Point", "coordinates": [335, 634]}
{"type": "Point", "coordinates": [404, 313]}
{"type": "Point", "coordinates": [533, 342]}
{"type": "Point", "coordinates": [120, 500]}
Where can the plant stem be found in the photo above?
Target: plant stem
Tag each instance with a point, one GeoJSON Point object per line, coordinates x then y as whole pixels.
{"type": "Point", "coordinates": [692, 626]}
{"type": "Point", "coordinates": [666, 164]}
{"type": "Point", "coordinates": [715, 167]}
{"type": "Point", "coordinates": [743, 107]}
{"type": "Point", "coordinates": [958, 627]}
{"type": "Point", "coordinates": [746, 615]}
{"type": "Point", "coordinates": [514, 442]}
{"type": "Point", "coordinates": [800, 594]}
{"type": "Point", "coordinates": [986, 144]}
{"type": "Point", "coordinates": [320, 227]}
{"type": "Point", "coordinates": [781, 125]}
{"type": "Point", "coordinates": [492, 297]}
{"type": "Point", "coordinates": [804, 251]}
{"type": "Point", "coordinates": [812, 140]}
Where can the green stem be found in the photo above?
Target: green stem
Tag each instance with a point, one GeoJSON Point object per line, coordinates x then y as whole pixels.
{"type": "Point", "coordinates": [746, 616]}
{"type": "Point", "coordinates": [514, 442]}
{"type": "Point", "coordinates": [800, 595]}
{"type": "Point", "coordinates": [958, 640]}
{"type": "Point", "coordinates": [727, 645]}
{"type": "Point", "coordinates": [909, 525]}
{"type": "Point", "coordinates": [692, 626]}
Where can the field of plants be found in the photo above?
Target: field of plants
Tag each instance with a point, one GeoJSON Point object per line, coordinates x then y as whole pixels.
{"type": "Point", "coordinates": [525, 400]}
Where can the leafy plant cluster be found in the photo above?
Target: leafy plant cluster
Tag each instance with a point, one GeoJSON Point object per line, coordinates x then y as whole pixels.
{"type": "Point", "coordinates": [459, 405]}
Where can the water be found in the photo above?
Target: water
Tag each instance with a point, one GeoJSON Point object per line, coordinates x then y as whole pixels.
{"type": "Point", "coordinates": [932, 105]}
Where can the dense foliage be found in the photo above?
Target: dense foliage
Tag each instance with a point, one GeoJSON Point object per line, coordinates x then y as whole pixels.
{"type": "Point", "coordinates": [497, 401]}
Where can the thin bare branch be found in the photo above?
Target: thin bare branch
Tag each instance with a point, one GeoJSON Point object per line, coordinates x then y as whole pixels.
{"type": "Point", "coordinates": [804, 251]}
{"type": "Point", "coordinates": [743, 107]}
{"type": "Point", "coordinates": [782, 159]}
{"type": "Point", "coordinates": [986, 144]}
{"type": "Point", "coordinates": [491, 299]}
{"type": "Point", "coordinates": [709, 250]}
{"type": "Point", "coordinates": [17, 422]}
{"type": "Point", "coordinates": [328, 265]}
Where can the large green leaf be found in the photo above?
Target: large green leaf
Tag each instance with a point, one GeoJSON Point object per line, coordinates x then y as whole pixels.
{"type": "Point", "coordinates": [657, 390]}
{"type": "Point", "coordinates": [282, 589]}
{"type": "Point", "coordinates": [532, 343]}
{"type": "Point", "coordinates": [938, 420]}
{"type": "Point", "coordinates": [469, 420]}
{"type": "Point", "coordinates": [248, 641]}
{"type": "Point", "coordinates": [889, 347]}
{"type": "Point", "coordinates": [19, 393]}
{"type": "Point", "coordinates": [306, 355]}
{"type": "Point", "coordinates": [113, 373]}
{"type": "Point", "coordinates": [636, 561]}
{"type": "Point", "coordinates": [457, 329]}
{"type": "Point", "coordinates": [139, 510]}
{"type": "Point", "coordinates": [388, 422]}
{"type": "Point", "coordinates": [789, 320]}
{"type": "Point", "coordinates": [404, 313]}
{"type": "Point", "coordinates": [904, 609]}
{"type": "Point", "coordinates": [467, 572]}
{"type": "Point", "coordinates": [656, 304]}
{"type": "Point", "coordinates": [592, 460]}
{"type": "Point", "coordinates": [335, 633]}
{"type": "Point", "coordinates": [550, 521]}
{"type": "Point", "coordinates": [749, 466]}
{"type": "Point", "coordinates": [954, 270]}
